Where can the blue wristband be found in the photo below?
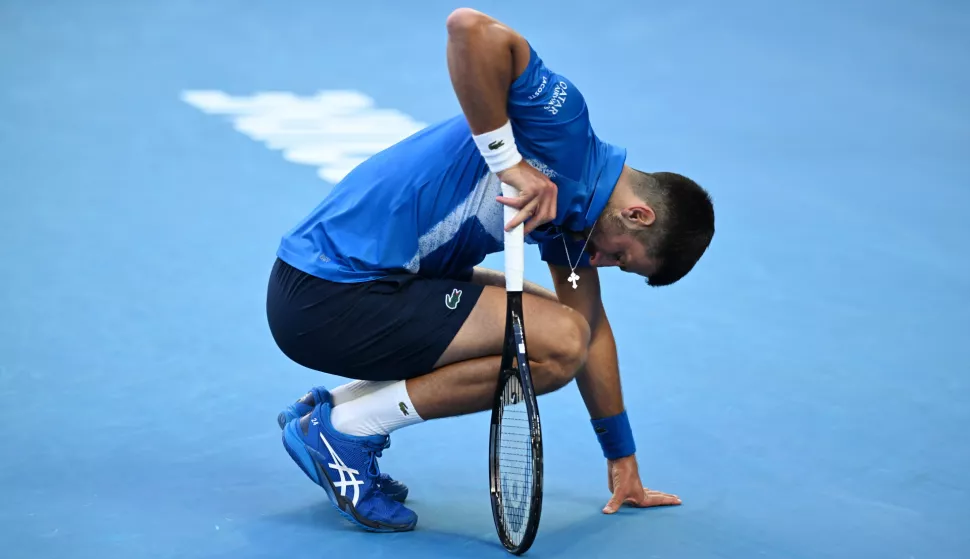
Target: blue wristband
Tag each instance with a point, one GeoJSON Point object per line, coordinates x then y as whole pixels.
{"type": "Point", "coordinates": [615, 436]}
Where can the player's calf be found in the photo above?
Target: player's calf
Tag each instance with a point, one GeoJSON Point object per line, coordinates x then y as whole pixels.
{"type": "Point", "coordinates": [464, 380]}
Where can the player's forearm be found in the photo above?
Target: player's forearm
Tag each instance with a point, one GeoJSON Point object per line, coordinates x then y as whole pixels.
{"type": "Point", "coordinates": [484, 58]}
{"type": "Point", "coordinates": [599, 379]}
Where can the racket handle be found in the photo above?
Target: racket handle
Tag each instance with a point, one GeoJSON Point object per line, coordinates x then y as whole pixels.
{"type": "Point", "coordinates": [514, 245]}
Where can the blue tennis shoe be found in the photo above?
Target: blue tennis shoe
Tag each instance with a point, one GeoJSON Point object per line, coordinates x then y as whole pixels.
{"type": "Point", "coordinates": [303, 406]}
{"type": "Point", "coordinates": [317, 395]}
{"type": "Point", "coordinates": [345, 466]}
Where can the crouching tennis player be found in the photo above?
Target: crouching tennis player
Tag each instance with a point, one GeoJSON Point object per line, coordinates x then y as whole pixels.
{"type": "Point", "coordinates": [380, 284]}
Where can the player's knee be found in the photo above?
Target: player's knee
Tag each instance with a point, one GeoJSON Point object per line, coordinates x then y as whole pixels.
{"type": "Point", "coordinates": [569, 352]}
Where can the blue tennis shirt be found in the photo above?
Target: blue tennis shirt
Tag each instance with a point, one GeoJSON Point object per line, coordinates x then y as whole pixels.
{"type": "Point", "coordinates": [426, 205]}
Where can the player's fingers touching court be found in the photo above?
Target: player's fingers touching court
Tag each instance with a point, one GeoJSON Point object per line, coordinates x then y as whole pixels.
{"type": "Point", "coordinates": [653, 498]}
{"type": "Point", "coordinates": [624, 483]}
{"type": "Point", "coordinates": [644, 498]}
{"type": "Point", "coordinates": [639, 497]}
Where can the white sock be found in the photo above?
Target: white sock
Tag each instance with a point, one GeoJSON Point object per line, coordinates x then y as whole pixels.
{"type": "Point", "coordinates": [377, 413]}
{"type": "Point", "coordinates": [353, 390]}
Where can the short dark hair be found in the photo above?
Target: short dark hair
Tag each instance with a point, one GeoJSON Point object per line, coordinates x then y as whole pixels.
{"type": "Point", "coordinates": [684, 226]}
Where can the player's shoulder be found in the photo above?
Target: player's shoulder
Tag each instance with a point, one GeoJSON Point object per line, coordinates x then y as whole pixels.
{"type": "Point", "coordinates": [539, 79]}
{"type": "Point", "coordinates": [541, 95]}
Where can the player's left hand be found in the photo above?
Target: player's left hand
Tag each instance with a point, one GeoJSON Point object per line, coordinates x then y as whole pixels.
{"type": "Point", "coordinates": [627, 489]}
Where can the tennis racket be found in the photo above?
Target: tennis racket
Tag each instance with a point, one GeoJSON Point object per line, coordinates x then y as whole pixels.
{"type": "Point", "coordinates": [515, 440]}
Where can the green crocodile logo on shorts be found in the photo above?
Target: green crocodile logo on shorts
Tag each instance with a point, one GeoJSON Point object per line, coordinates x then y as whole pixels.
{"type": "Point", "coordinates": [452, 299]}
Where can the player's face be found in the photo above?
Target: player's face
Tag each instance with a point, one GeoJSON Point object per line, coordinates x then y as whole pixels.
{"type": "Point", "coordinates": [610, 244]}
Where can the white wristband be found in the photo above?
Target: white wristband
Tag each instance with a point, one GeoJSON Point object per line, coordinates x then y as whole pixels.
{"type": "Point", "coordinates": [498, 148]}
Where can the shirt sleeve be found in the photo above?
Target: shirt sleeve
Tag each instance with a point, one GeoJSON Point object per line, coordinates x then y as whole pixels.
{"type": "Point", "coordinates": [550, 121]}
{"type": "Point", "coordinates": [548, 113]}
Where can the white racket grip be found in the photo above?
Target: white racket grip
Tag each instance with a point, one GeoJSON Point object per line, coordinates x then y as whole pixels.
{"type": "Point", "coordinates": [514, 243]}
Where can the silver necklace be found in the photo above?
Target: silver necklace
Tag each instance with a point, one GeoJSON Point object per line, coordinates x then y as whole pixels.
{"type": "Point", "coordinates": [573, 276]}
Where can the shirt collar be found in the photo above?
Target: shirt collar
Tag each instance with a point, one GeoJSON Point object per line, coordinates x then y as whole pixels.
{"type": "Point", "coordinates": [609, 159]}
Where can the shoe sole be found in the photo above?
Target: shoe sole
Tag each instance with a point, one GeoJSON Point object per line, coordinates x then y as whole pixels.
{"type": "Point", "coordinates": [300, 453]}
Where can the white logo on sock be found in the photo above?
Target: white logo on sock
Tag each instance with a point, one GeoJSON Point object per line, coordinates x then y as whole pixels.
{"type": "Point", "coordinates": [347, 475]}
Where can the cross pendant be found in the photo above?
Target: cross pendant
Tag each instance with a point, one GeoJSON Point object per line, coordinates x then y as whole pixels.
{"type": "Point", "coordinates": [573, 278]}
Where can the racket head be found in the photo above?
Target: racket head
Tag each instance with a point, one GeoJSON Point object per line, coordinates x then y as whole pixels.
{"type": "Point", "coordinates": [515, 442]}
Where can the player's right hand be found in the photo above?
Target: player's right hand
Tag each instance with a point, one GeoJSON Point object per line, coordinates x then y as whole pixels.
{"type": "Point", "coordinates": [537, 196]}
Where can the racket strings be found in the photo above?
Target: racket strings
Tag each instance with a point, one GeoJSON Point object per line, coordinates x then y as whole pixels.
{"type": "Point", "coordinates": [515, 461]}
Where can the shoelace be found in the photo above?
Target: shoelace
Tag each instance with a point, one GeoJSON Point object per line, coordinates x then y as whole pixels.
{"type": "Point", "coordinates": [373, 469]}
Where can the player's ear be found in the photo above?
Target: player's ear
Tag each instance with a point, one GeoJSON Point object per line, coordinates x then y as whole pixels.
{"type": "Point", "coordinates": [640, 216]}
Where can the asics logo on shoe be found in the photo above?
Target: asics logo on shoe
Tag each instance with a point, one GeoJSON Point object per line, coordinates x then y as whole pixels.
{"type": "Point", "coordinates": [348, 476]}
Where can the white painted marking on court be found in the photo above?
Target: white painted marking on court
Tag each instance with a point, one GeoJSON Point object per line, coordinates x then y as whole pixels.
{"type": "Point", "coordinates": [332, 130]}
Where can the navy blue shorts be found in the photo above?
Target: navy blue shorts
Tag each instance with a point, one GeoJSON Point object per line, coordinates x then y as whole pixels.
{"type": "Point", "coordinates": [392, 328]}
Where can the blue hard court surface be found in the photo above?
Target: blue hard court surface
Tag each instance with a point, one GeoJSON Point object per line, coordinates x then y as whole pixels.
{"type": "Point", "coordinates": [804, 390]}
